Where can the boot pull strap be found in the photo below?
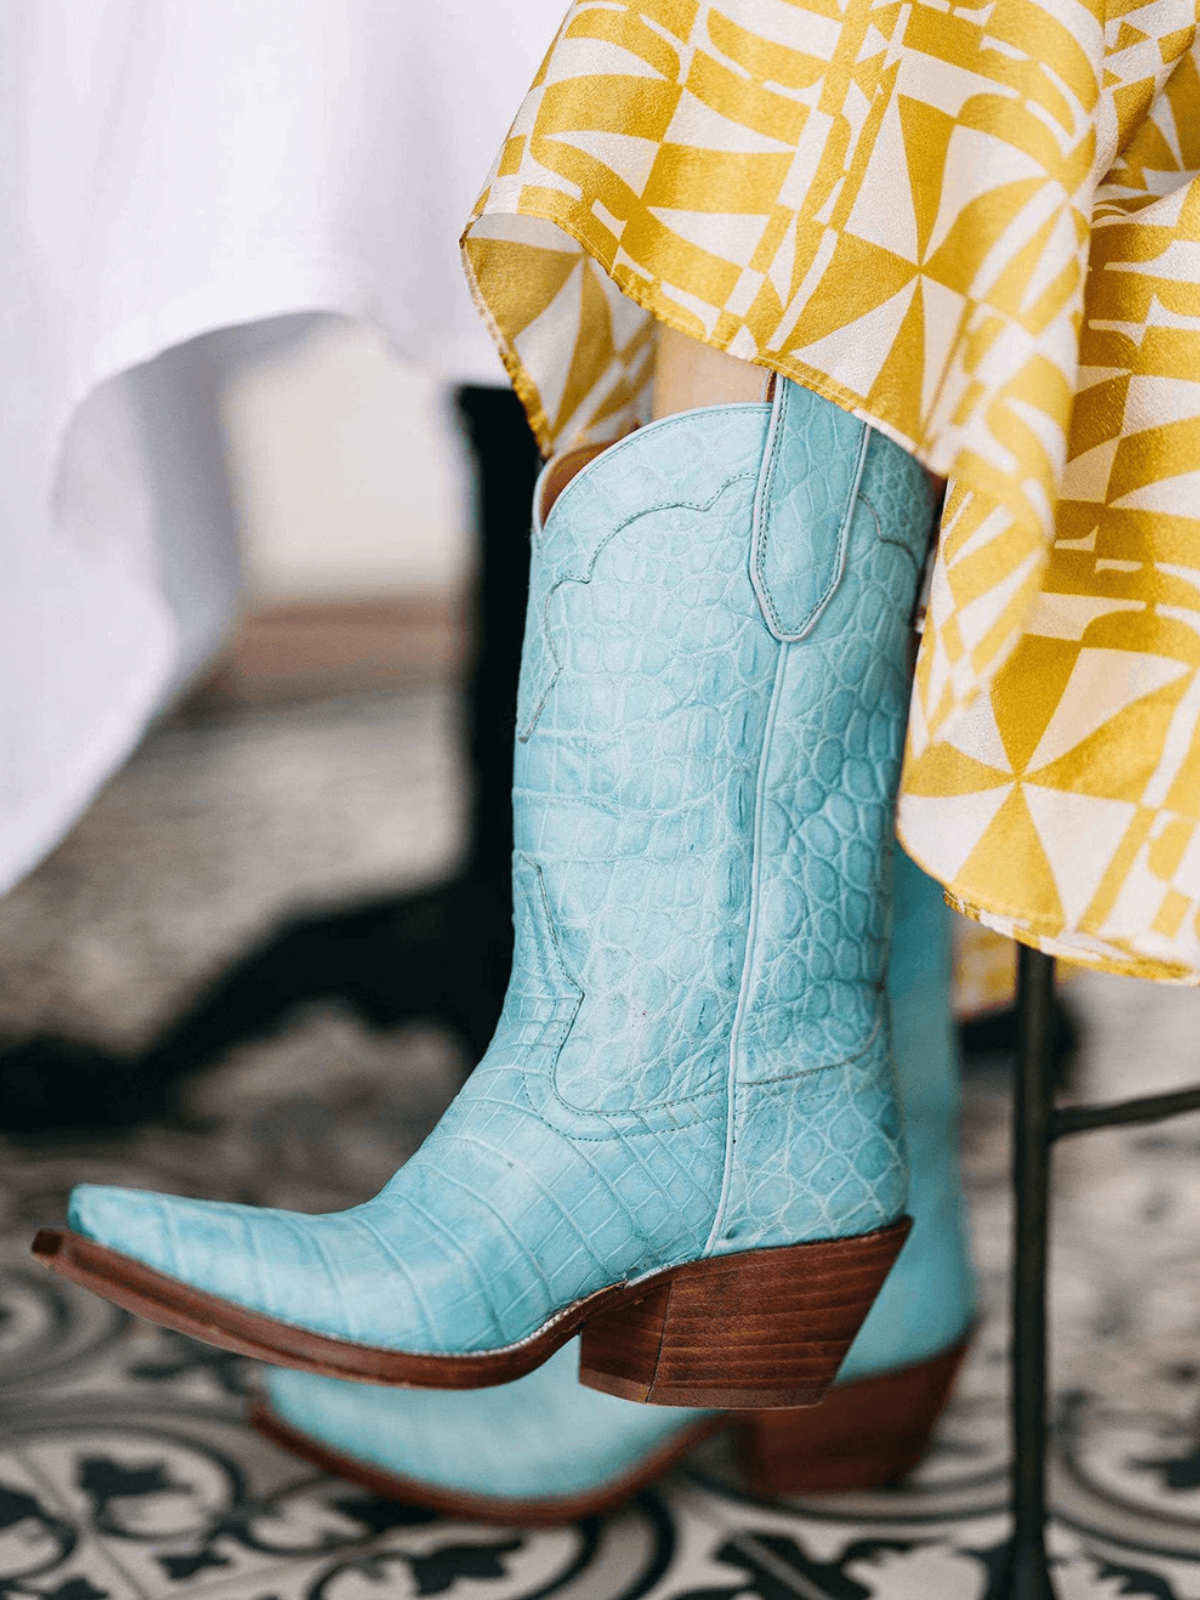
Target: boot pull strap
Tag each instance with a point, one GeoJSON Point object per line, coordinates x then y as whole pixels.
{"type": "Point", "coordinates": [803, 505]}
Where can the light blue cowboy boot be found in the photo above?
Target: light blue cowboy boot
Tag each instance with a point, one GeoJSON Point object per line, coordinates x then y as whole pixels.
{"type": "Point", "coordinates": [683, 1140]}
{"type": "Point", "coordinates": [545, 1449]}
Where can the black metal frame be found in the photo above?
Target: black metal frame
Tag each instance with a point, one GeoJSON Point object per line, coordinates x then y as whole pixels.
{"type": "Point", "coordinates": [1037, 1124]}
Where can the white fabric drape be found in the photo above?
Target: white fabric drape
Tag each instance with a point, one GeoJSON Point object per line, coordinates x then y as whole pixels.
{"type": "Point", "coordinates": [167, 169]}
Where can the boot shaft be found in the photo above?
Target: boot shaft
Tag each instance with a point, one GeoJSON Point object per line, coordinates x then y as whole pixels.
{"type": "Point", "coordinates": [710, 720]}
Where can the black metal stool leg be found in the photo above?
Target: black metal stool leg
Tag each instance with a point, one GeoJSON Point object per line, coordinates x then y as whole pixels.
{"type": "Point", "coordinates": [1027, 1576]}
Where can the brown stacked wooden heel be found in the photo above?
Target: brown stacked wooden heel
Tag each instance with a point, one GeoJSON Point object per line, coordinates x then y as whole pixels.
{"type": "Point", "coordinates": [764, 1328]}
{"type": "Point", "coordinates": [864, 1434]}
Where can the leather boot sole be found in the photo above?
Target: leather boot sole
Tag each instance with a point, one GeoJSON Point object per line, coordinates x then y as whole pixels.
{"type": "Point", "coordinates": [863, 1435]}
{"type": "Point", "coordinates": [762, 1328]}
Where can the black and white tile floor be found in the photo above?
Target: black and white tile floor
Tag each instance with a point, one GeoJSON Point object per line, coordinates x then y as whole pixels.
{"type": "Point", "coordinates": [126, 1467]}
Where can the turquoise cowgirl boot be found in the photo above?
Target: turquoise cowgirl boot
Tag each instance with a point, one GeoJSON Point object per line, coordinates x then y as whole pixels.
{"type": "Point", "coordinates": [683, 1141]}
{"type": "Point", "coordinates": [875, 1422]}
{"type": "Point", "coordinates": [546, 1450]}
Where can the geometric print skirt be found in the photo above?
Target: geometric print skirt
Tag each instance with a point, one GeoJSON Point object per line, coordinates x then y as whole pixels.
{"type": "Point", "coordinates": [977, 227]}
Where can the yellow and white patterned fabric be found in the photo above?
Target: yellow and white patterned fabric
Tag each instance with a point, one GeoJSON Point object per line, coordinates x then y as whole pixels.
{"type": "Point", "coordinates": [978, 227]}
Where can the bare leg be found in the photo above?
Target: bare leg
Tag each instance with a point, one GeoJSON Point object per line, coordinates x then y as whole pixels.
{"type": "Point", "coordinates": [692, 374]}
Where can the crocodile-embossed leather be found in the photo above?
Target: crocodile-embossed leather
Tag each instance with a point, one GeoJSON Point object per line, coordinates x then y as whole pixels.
{"type": "Point", "coordinates": [928, 1301]}
{"type": "Point", "coordinates": [508, 1442]}
{"type": "Point", "coordinates": [692, 1054]}
{"type": "Point", "coordinates": [803, 1153]}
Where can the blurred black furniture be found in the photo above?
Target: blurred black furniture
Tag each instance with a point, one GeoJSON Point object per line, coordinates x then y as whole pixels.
{"type": "Point", "coordinates": [442, 954]}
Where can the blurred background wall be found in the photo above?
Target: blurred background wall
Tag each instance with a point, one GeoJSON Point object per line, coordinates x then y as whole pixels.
{"type": "Point", "coordinates": [353, 504]}
{"type": "Point", "coordinates": [347, 470]}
